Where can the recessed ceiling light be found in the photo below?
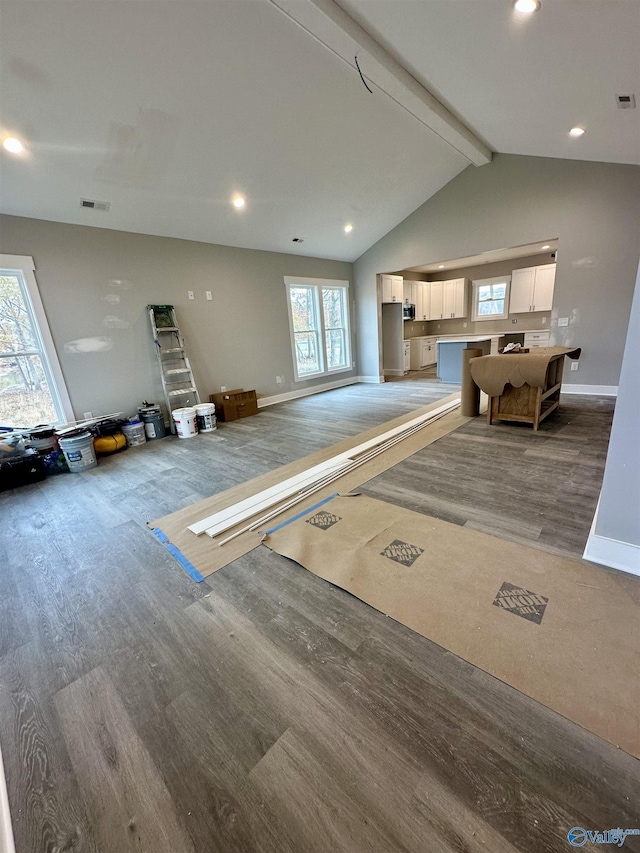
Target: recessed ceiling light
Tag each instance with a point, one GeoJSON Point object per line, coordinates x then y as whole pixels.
{"type": "Point", "coordinates": [526, 6]}
{"type": "Point", "coordinates": [238, 201]}
{"type": "Point", "coordinates": [441, 267]}
{"type": "Point", "coordinates": [546, 247]}
{"type": "Point", "coordinates": [348, 229]}
{"type": "Point", "coordinates": [576, 131]}
{"type": "Point", "coordinates": [13, 145]}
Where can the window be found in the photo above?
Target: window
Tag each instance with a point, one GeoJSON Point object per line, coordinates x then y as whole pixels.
{"type": "Point", "coordinates": [32, 389]}
{"type": "Point", "coordinates": [491, 298]}
{"type": "Point", "coordinates": [319, 324]}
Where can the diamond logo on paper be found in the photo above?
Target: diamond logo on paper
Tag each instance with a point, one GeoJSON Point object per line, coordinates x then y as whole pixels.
{"type": "Point", "coordinates": [521, 601]}
{"type": "Point", "coordinates": [402, 552]}
{"type": "Point", "coordinates": [323, 520]}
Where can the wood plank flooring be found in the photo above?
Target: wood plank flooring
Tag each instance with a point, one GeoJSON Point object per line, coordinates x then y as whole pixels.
{"type": "Point", "coordinates": [264, 709]}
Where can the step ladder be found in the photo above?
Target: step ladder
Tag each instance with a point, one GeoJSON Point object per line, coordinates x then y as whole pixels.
{"type": "Point", "coordinates": [175, 370]}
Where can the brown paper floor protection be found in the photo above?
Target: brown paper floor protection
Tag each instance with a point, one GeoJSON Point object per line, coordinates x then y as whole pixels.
{"type": "Point", "coordinates": [202, 556]}
{"type": "Point", "coordinates": [562, 631]}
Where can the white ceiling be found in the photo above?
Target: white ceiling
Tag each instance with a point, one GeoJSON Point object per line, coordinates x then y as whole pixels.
{"type": "Point", "coordinates": [165, 109]}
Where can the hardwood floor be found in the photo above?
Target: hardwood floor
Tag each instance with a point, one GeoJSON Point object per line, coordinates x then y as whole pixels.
{"type": "Point", "coordinates": [264, 709]}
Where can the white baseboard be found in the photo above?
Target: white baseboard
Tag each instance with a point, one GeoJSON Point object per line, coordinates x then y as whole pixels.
{"type": "Point", "coordinates": [378, 380]}
{"type": "Point", "coordinates": [594, 390]}
{"type": "Point", "coordinates": [610, 552]}
{"type": "Point", "coordinates": [390, 372]}
{"type": "Point", "coordinates": [7, 844]}
{"type": "Point", "coordinates": [306, 392]}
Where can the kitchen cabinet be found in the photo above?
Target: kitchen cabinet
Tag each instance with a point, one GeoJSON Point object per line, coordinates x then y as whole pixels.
{"type": "Point", "coordinates": [449, 299]}
{"type": "Point", "coordinates": [406, 352]}
{"type": "Point", "coordinates": [436, 294]}
{"type": "Point", "coordinates": [536, 339]}
{"type": "Point", "coordinates": [391, 288]}
{"type": "Point", "coordinates": [423, 300]}
{"type": "Point", "coordinates": [409, 292]}
{"type": "Point", "coordinates": [423, 352]}
{"type": "Point", "coordinates": [532, 289]}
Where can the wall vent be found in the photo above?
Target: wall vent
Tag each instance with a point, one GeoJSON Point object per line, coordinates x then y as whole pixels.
{"type": "Point", "coordinates": [92, 204]}
{"type": "Point", "coordinates": [626, 102]}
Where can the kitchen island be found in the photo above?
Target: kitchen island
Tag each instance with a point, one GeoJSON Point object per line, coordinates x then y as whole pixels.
{"type": "Point", "coordinates": [450, 353]}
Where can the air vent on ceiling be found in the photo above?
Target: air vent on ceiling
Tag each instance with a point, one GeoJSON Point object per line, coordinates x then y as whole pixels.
{"type": "Point", "coordinates": [92, 204]}
{"type": "Point", "coordinates": [626, 102]}
{"type": "Point", "coordinates": [298, 240]}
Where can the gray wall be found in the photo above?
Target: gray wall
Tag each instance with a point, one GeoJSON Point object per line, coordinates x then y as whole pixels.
{"type": "Point", "coordinates": [619, 511]}
{"type": "Point", "coordinates": [239, 339]}
{"type": "Point", "coordinates": [592, 208]}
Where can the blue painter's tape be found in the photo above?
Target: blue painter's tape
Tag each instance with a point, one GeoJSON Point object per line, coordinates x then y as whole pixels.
{"type": "Point", "coordinates": [186, 565]}
{"type": "Point", "coordinates": [161, 536]}
{"type": "Point", "coordinates": [301, 514]}
{"type": "Point", "coordinates": [178, 555]}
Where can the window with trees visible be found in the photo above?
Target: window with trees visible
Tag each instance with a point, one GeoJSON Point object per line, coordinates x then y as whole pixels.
{"type": "Point", "coordinates": [319, 324]}
{"type": "Point", "coordinates": [490, 298]}
{"type": "Point", "coordinates": [32, 389]}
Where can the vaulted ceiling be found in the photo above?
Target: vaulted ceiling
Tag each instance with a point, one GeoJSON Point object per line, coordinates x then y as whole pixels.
{"type": "Point", "coordinates": [167, 109]}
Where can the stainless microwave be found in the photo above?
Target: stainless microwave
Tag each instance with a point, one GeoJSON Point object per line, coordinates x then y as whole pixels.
{"type": "Point", "coordinates": [408, 311]}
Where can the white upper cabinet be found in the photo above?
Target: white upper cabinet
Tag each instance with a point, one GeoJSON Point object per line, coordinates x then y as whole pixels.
{"type": "Point", "coordinates": [449, 299]}
{"type": "Point", "coordinates": [423, 307]}
{"type": "Point", "coordinates": [409, 292]}
{"type": "Point", "coordinates": [455, 299]}
{"type": "Point", "coordinates": [437, 300]}
{"type": "Point", "coordinates": [532, 289]}
{"type": "Point", "coordinates": [391, 288]}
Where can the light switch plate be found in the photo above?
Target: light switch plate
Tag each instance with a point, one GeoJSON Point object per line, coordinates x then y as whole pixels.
{"type": "Point", "coordinates": [209, 296]}
{"type": "Point", "coordinates": [190, 294]}
{"type": "Point", "coordinates": [563, 321]}
{"type": "Point", "coordinates": [575, 365]}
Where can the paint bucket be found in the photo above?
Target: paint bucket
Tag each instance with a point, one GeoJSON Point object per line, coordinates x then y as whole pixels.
{"type": "Point", "coordinates": [79, 453]}
{"type": "Point", "coordinates": [206, 415]}
{"type": "Point", "coordinates": [153, 421]}
{"type": "Point", "coordinates": [44, 440]}
{"type": "Point", "coordinates": [133, 431]}
{"type": "Point", "coordinates": [185, 421]}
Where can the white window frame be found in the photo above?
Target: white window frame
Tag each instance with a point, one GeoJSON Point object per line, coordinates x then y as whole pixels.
{"type": "Point", "coordinates": [318, 284]}
{"type": "Point", "coordinates": [24, 265]}
{"type": "Point", "coordinates": [475, 290]}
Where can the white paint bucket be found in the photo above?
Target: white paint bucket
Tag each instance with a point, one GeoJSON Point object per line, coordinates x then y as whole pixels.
{"type": "Point", "coordinates": [134, 433]}
{"type": "Point", "coordinates": [206, 415]}
{"type": "Point", "coordinates": [185, 421]}
{"type": "Point", "coordinates": [79, 453]}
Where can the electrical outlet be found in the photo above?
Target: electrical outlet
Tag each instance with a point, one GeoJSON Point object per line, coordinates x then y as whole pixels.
{"type": "Point", "coordinates": [464, 325]}
{"type": "Point", "coordinates": [279, 380]}
{"type": "Point", "coordinates": [209, 296]}
{"type": "Point", "coordinates": [543, 321]}
{"type": "Point", "coordinates": [575, 365]}
{"type": "Point", "coordinates": [563, 321]}
{"type": "Point", "coordinates": [87, 415]}
{"type": "Point", "coordinates": [514, 321]}
{"type": "Point", "coordinates": [190, 294]}
{"type": "Point", "coordinates": [223, 388]}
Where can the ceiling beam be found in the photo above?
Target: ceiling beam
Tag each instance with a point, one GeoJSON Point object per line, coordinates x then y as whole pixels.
{"type": "Point", "coordinates": [333, 27]}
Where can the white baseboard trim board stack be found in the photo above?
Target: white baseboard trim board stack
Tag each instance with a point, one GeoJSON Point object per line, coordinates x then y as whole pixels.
{"type": "Point", "coordinates": [611, 552]}
{"type": "Point", "coordinates": [306, 392]}
{"type": "Point", "coordinates": [7, 844]}
{"type": "Point", "coordinates": [592, 390]}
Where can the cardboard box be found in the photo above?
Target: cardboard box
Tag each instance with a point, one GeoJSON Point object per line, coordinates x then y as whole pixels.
{"type": "Point", "coordinates": [235, 404]}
